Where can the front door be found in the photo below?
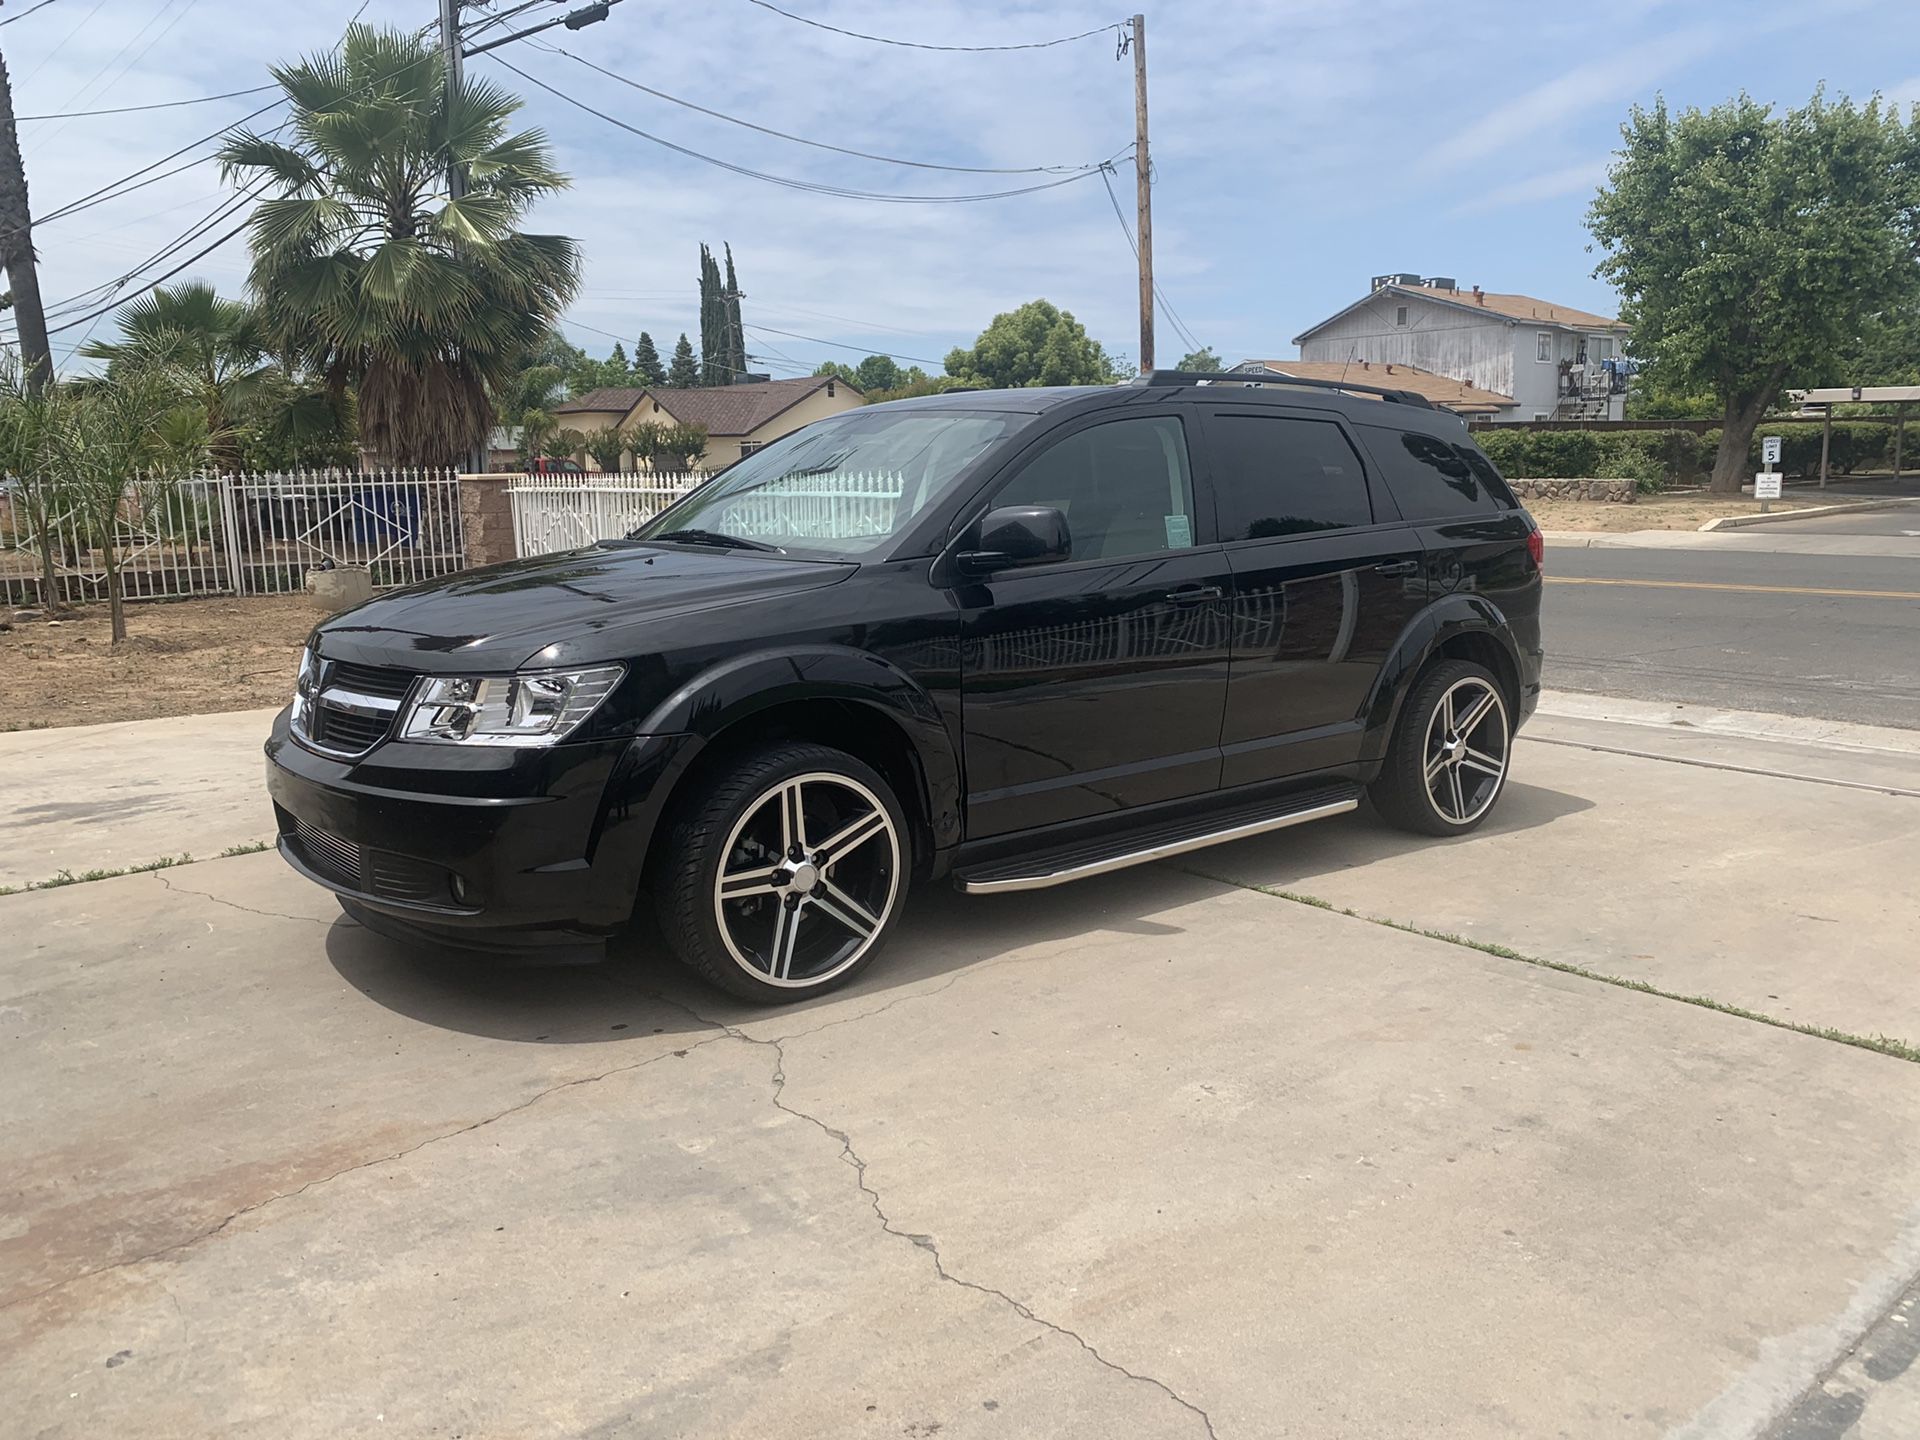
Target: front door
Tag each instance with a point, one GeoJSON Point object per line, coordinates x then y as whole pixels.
{"type": "Point", "coordinates": [1097, 683]}
{"type": "Point", "coordinates": [1323, 586]}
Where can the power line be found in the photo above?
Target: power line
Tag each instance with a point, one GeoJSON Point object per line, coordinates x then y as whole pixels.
{"type": "Point", "coordinates": [188, 263]}
{"type": "Point", "coordinates": [96, 85]}
{"type": "Point", "coordinates": [1179, 325]}
{"type": "Point", "coordinates": [819, 144]}
{"type": "Point", "coordinates": [856, 349]}
{"type": "Point", "coordinates": [917, 45]}
{"type": "Point", "coordinates": [24, 13]}
{"type": "Point", "coordinates": [810, 186]}
{"type": "Point", "coordinates": [133, 109]}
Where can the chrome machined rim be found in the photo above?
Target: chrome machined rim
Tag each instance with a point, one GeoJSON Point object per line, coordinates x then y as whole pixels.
{"type": "Point", "coordinates": [808, 878]}
{"type": "Point", "coordinates": [1466, 751]}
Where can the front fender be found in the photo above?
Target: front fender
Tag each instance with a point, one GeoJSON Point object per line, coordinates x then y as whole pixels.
{"type": "Point", "coordinates": [733, 690]}
{"type": "Point", "coordinates": [1447, 617]}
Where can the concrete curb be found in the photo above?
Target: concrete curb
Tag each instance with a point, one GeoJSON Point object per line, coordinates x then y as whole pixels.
{"type": "Point", "coordinates": [1740, 522]}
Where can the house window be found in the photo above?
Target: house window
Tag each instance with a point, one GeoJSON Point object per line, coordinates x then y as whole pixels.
{"type": "Point", "coordinates": [747, 447]}
{"type": "Point", "coordinates": [1542, 415]}
{"type": "Point", "coordinates": [1400, 316]}
{"type": "Point", "coordinates": [1543, 346]}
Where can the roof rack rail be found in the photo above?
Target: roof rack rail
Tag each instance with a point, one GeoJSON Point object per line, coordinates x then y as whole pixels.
{"type": "Point", "coordinates": [1274, 377]}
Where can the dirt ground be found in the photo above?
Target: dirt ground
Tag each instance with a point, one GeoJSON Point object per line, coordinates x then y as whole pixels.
{"type": "Point", "coordinates": [191, 657]}
{"type": "Point", "coordinates": [1685, 511]}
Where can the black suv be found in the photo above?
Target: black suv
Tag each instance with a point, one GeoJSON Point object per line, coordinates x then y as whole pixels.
{"type": "Point", "coordinates": [1013, 638]}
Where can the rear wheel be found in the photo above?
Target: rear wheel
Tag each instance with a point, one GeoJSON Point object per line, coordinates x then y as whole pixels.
{"type": "Point", "coordinates": [785, 879]}
{"type": "Point", "coordinates": [1447, 762]}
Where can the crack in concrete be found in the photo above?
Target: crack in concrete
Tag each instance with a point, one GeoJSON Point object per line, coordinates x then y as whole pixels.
{"type": "Point", "coordinates": [329, 920]}
{"type": "Point", "coordinates": [211, 1231]}
{"type": "Point", "coordinates": [927, 1243]}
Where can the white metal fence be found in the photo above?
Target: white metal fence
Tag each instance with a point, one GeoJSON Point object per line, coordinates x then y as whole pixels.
{"type": "Point", "coordinates": [562, 512]}
{"type": "Point", "coordinates": [246, 534]}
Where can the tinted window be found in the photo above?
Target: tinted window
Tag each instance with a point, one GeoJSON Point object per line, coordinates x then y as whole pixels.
{"type": "Point", "coordinates": [1279, 476]}
{"type": "Point", "coordinates": [1429, 478]}
{"type": "Point", "coordinates": [1124, 488]}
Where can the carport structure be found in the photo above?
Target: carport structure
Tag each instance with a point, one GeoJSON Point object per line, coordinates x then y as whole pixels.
{"type": "Point", "coordinates": [1898, 396]}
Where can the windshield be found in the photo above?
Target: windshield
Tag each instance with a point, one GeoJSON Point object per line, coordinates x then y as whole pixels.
{"type": "Point", "coordinates": [840, 487]}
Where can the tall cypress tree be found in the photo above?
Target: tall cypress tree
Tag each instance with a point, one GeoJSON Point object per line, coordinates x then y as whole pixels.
{"type": "Point", "coordinates": [736, 334]}
{"type": "Point", "coordinates": [647, 368]}
{"type": "Point", "coordinates": [713, 323]}
{"type": "Point", "coordinates": [684, 374]}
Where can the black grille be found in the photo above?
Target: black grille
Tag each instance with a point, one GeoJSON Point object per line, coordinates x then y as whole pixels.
{"type": "Point", "coordinates": [398, 878]}
{"type": "Point", "coordinates": [375, 872]}
{"type": "Point", "coordinates": [343, 730]}
{"type": "Point", "coordinates": [369, 679]}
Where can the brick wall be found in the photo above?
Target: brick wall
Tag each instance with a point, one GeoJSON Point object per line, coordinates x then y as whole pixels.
{"type": "Point", "coordinates": [1612, 492]}
{"type": "Point", "coordinates": [486, 518]}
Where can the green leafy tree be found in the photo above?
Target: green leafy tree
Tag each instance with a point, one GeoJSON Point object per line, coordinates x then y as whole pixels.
{"type": "Point", "coordinates": [647, 367]}
{"type": "Point", "coordinates": [368, 273]}
{"type": "Point", "coordinates": [536, 428]}
{"type": "Point", "coordinates": [679, 446]}
{"type": "Point", "coordinates": [733, 333]}
{"type": "Point", "coordinates": [838, 369]}
{"type": "Point", "coordinates": [1751, 247]}
{"type": "Point", "coordinates": [31, 421]}
{"type": "Point", "coordinates": [1203, 360]}
{"type": "Point", "coordinates": [540, 380]}
{"type": "Point", "coordinates": [295, 422]}
{"type": "Point", "coordinates": [121, 446]}
{"type": "Point", "coordinates": [563, 445]}
{"type": "Point", "coordinates": [218, 344]}
{"type": "Point", "coordinates": [684, 374]}
{"type": "Point", "coordinates": [608, 447]}
{"type": "Point", "coordinates": [1038, 344]}
{"type": "Point", "coordinates": [879, 372]}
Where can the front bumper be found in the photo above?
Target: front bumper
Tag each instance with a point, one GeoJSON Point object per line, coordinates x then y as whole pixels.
{"type": "Point", "coordinates": [495, 847]}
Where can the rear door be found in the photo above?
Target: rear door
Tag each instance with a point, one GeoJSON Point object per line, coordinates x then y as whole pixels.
{"type": "Point", "coordinates": [1325, 578]}
{"type": "Point", "coordinates": [1097, 683]}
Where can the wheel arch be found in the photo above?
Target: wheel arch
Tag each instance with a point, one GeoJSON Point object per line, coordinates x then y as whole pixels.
{"type": "Point", "coordinates": [1462, 627]}
{"type": "Point", "coordinates": [852, 700]}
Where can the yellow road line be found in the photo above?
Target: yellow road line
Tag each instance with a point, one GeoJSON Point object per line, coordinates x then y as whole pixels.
{"type": "Point", "coordinates": [1739, 589]}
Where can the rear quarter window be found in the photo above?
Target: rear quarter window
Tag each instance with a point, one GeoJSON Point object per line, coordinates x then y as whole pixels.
{"type": "Point", "coordinates": [1434, 479]}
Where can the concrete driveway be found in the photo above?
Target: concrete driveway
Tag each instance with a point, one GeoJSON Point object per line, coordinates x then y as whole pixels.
{"type": "Point", "coordinates": [1157, 1155]}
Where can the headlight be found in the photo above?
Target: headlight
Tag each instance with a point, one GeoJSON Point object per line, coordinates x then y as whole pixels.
{"type": "Point", "coordinates": [303, 680]}
{"type": "Point", "coordinates": [507, 710]}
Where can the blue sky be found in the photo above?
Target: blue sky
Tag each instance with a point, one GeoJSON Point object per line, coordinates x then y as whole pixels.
{"type": "Point", "coordinates": [1299, 148]}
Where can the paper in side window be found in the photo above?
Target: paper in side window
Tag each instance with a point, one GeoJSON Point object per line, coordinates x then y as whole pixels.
{"type": "Point", "coordinates": [1179, 532]}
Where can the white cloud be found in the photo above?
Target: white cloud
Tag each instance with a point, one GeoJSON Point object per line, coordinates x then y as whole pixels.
{"type": "Point", "coordinates": [1547, 185]}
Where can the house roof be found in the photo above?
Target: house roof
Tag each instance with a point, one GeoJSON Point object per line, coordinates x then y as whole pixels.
{"type": "Point", "coordinates": [725, 410]}
{"type": "Point", "coordinates": [1508, 306]}
{"type": "Point", "coordinates": [1442, 390]}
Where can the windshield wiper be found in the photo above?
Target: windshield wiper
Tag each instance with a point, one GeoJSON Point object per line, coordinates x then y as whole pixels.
{"type": "Point", "coordinates": [714, 537]}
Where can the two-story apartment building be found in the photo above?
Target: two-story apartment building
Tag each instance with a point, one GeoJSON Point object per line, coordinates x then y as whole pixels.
{"type": "Point", "coordinates": [1550, 362]}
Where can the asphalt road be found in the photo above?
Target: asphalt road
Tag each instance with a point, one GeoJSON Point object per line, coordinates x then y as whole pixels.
{"type": "Point", "coordinates": [1829, 636]}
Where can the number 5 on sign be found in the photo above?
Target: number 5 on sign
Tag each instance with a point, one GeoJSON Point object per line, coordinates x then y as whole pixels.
{"type": "Point", "coordinates": [1770, 450]}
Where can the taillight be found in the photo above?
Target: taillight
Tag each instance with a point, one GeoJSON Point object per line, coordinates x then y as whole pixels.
{"type": "Point", "coordinates": [1537, 548]}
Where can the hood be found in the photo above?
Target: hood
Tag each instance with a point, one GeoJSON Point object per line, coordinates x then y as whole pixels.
{"type": "Point", "coordinates": [578, 606]}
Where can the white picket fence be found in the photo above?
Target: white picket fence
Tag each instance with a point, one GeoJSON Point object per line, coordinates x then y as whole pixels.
{"type": "Point", "coordinates": [558, 512]}
{"type": "Point", "coordinates": [244, 534]}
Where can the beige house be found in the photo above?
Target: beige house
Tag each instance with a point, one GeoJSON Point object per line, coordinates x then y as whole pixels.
{"type": "Point", "coordinates": [739, 419]}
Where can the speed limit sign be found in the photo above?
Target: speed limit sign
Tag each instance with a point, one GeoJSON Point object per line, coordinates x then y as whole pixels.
{"type": "Point", "coordinates": [1770, 450]}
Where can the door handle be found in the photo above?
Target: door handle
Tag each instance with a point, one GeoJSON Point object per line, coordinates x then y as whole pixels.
{"type": "Point", "coordinates": [1398, 567]}
{"type": "Point", "coordinates": [1195, 595]}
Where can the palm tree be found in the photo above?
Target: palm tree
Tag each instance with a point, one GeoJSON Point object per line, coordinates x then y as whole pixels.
{"type": "Point", "coordinates": [218, 344]}
{"type": "Point", "coordinates": [366, 269]}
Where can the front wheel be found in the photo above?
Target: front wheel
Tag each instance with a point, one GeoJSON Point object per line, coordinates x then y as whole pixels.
{"type": "Point", "coordinates": [784, 880]}
{"type": "Point", "coordinates": [1447, 762]}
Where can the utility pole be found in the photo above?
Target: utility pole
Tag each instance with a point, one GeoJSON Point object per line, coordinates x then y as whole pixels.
{"type": "Point", "coordinates": [16, 247]}
{"type": "Point", "coordinates": [450, 55]}
{"type": "Point", "coordinates": [1143, 191]}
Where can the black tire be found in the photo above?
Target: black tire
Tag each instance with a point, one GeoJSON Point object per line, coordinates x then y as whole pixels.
{"type": "Point", "coordinates": [1436, 781]}
{"type": "Point", "coordinates": [793, 924]}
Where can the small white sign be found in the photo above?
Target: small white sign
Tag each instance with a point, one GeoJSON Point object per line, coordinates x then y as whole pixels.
{"type": "Point", "coordinates": [1766, 487]}
{"type": "Point", "coordinates": [1770, 450]}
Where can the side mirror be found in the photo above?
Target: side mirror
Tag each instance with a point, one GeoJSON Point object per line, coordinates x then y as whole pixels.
{"type": "Point", "coordinates": [1017, 535]}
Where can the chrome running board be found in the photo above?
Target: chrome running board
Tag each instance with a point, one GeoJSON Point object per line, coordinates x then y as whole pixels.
{"type": "Point", "coordinates": [1061, 867]}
